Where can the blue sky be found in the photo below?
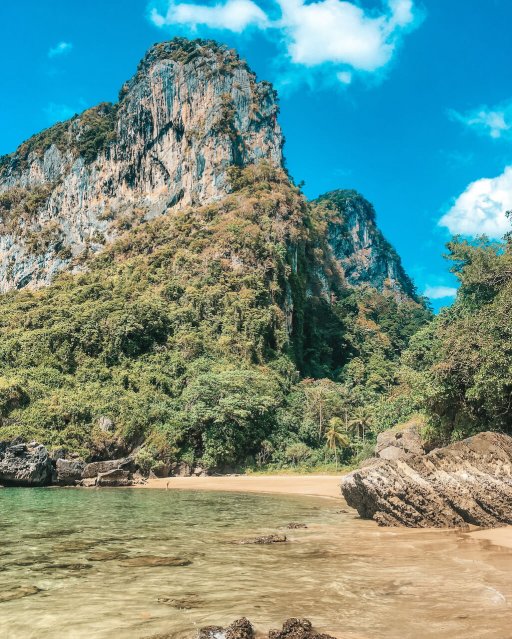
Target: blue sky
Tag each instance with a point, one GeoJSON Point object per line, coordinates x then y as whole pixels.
{"type": "Point", "coordinates": [408, 102]}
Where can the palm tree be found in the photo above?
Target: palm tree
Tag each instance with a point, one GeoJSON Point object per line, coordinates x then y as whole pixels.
{"type": "Point", "coordinates": [361, 423]}
{"type": "Point", "coordinates": [336, 437]}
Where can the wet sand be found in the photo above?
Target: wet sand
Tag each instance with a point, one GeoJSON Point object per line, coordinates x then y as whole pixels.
{"type": "Point", "coordinates": [308, 485]}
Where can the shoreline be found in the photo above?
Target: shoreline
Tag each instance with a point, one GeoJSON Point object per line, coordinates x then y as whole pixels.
{"type": "Point", "coordinates": [325, 486]}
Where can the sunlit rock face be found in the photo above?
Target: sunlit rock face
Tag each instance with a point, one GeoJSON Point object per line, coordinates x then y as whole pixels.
{"type": "Point", "coordinates": [360, 248]}
{"type": "Point", "coordinates": [192, 110]}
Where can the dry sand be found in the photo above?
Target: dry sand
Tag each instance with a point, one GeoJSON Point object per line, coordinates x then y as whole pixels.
{"type": "Point", "coordinates": [312, 485]}
{"type": "Point", "coordinates": [309, 485]}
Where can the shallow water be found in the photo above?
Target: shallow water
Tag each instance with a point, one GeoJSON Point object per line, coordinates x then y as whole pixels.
{"type": "Point", "coordinates": [348, 576]}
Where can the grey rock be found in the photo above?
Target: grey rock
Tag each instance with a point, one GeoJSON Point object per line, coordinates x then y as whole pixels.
{"type": "Point", "coordinates": [95, 468]}
{"type": "Point", "coordinates": [399, 442]}
{"type": "Point", "coordinates": [69, 471]}
{"type": "Point", "coordinates": [469, 482]}
{"type": "Point", "coordinates": [24, 465]}
{"type": "Point", "coordinates": [115, 477]}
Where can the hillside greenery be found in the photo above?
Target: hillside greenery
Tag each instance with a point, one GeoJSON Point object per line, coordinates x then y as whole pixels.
{"type": "Point", "coordinates": [222, 335]}
{"type": "Point", "coordinates": [458, 368]}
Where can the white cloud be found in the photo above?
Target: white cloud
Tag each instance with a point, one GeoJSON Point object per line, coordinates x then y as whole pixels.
{"type": "Point", "coordinates": [233, 15]}
{"type": "Point", "coordinates": [495, 122]}
{"type": "Point", "coordinates": [60, 49]}
{"type": "Point", "coordinates": [342, 33]}
{"type": "Point", "coordinates": [337, 33]}
{"type": "Point", "coordinates": [439, 292]}
{"type": "Point", "coordinates": [482, 208]}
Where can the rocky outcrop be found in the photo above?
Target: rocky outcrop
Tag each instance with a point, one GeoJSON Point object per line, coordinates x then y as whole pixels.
{"type": "Point", "coordinates": [192, 110]}
{"type": "Point", "coordinates": [24, 465]}
{"type": "Point", "coordinates": [362, 251]}
{"type": "Point", "coordinates": [242, 629]}
{"type": "Point", "coordinates": [94, 469]}
{"type": "Point", "coordinates": [469, 482]}
{"type": "Point", "coordinates": [400, 442]}
{"type": "Point", "coordinates": [69, 472]}
{"type": "Point", "coordinates": [115, 477]}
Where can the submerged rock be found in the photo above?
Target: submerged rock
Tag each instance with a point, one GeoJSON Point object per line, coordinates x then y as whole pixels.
{"type": "Point", "coordinates": [267, 539]}
{"type": "Point", "coordinates": [469, 482]}
{"type": "Point", "coordinates": [151, 561]}
{"type": "Point", "coordinates": [24, 465]}
{"type": "Point", "coordinates": [18, 593]}
{"type": "Point", "coordinates": [183, 603]}
{"type": "Point", "coordinates": [295, 525]}
{"type": "Point", "coordinates": [107, 555]}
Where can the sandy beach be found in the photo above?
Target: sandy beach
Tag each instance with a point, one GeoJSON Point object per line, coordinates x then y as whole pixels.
{"type": "Point", "coordinates": [308, 485]}
{"type": "Point", "coordinates": [327, 486]}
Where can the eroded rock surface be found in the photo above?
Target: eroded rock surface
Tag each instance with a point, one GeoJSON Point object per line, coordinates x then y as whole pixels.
{"type": "Point", "coordinates": [242, 629]}
{"type": "Point", "coordinates": [192, 110]}
{"type": "Point", "coordinates": [398, 443]}
{"type": "Point", "coordinates": [69, 471]}
{"type": "Point", "coordinates": [24, 465]}
{"type": "Point", "coordinates": [469, 482]}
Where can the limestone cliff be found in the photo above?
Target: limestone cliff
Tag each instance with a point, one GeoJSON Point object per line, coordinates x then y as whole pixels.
{"type": "Point", "coordinates": [364, 254]}
{"type": "Point", "coordinates": [192, 110]}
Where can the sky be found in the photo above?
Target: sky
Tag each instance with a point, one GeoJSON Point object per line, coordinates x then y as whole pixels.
{"type": "Point", "coordinates": [407, 101]}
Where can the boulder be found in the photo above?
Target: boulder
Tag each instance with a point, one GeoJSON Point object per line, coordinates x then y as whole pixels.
{"type": "Point", "coordinates": [469, 482]}
{"type": "Point", "coordinates": [24, 465]}
{"type": "Point", "coordinates": [400, 442]}
{"type": "Point", "coordinates": [181, 469]}
{"type": "Point", "coordinates": [297, 629]}
{"type": "Point", "coordinates": [115, 477]}
{"type": "Point", "coordinates": [95, 468]}
{"type": "Point", "coordinates": [239, 629]}
{"type": "Point", "coordinates": [68, 472]}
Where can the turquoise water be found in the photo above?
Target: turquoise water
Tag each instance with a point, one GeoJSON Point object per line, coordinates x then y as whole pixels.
{"type": "Point", "coordinates": [81, 563]}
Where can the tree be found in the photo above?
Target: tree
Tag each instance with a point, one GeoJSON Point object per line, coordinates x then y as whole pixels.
{"type": "Point", "coordinates": [336, 437]}
{"type": "Point", "coordinates": [361, 423]}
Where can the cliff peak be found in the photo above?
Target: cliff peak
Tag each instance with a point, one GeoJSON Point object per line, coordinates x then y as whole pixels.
{"type": "Point", "coordinates": [364, 254]}
{"type": "Point", "coordinates": [192, 110]}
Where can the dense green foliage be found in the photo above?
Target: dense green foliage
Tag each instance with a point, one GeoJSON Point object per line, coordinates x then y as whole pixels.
{"type": "Point", "coordinates": [207, 335]}
{"type": "Point", "coordinates": [87, 135]}
{"type": "Point", "coordinates": [459, 368]}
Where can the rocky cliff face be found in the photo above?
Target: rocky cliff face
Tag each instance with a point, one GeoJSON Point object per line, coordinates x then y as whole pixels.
{"type": "Point", "coordinates": [192, 110]}
{"type": "Point", "coordinates": [362, 251]}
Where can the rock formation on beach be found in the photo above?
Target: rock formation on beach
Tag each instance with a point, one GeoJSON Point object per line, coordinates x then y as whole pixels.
{"type": "Point", "coordinates": [24, 465]}
{"type": "Point", "coordinates": [469, 482]}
